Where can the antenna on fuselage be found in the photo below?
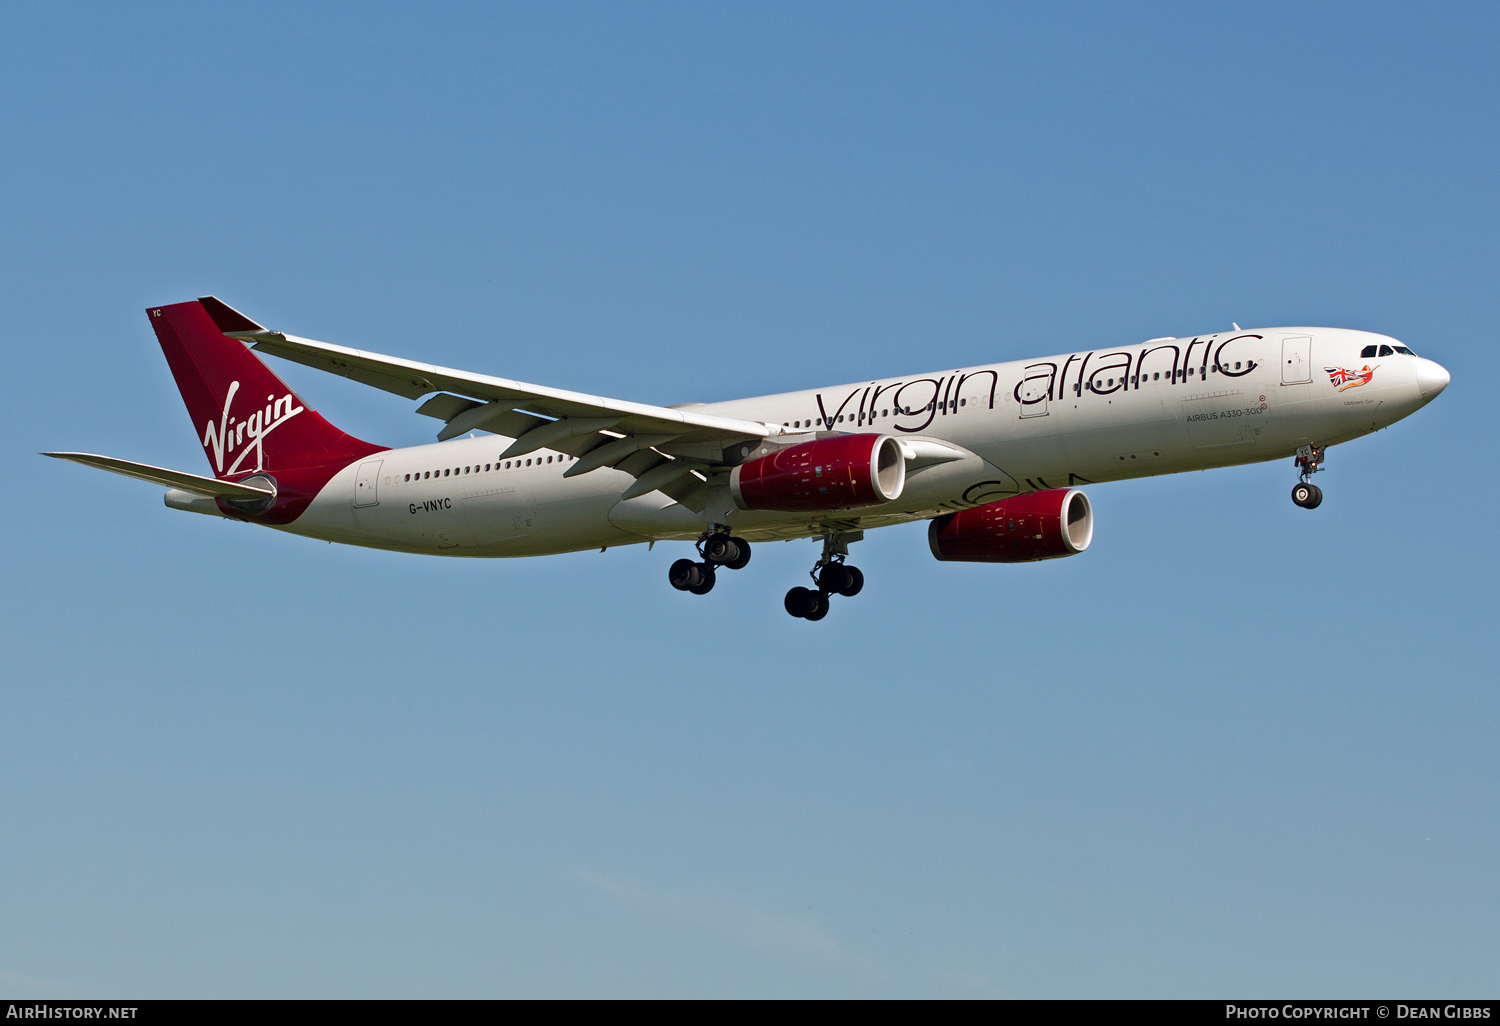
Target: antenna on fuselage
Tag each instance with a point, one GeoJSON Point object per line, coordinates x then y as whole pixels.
{"type": "Point", "coordinates": [1236, 326]}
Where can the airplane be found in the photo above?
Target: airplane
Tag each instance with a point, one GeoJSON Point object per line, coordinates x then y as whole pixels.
{"type": "Point", "coordinates": [991, 456]}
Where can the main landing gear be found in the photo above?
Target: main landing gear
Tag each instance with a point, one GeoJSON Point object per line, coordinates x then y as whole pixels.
{"type": "Point", "coordinates": [718, 550]}
{"type": "Point", "coordinates": [1309, 461]}
{"type": "Point", "coordinates": [832, 576]}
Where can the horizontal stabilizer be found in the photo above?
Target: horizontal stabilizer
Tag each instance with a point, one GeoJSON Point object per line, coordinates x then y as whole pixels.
{"type": "Point", "coordinates": [170, 478]}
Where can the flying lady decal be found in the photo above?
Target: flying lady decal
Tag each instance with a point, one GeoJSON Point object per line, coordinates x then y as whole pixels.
{"type": "Point", "coordinates": [1344, 379]}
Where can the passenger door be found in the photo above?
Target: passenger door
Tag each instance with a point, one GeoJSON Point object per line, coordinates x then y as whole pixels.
{"type": "Point", "coordinates": [1035, 388]}
{"type": "Point", "coordinates": [367, 484]}
{"type": "Point", "coordinates": [1296, 359]}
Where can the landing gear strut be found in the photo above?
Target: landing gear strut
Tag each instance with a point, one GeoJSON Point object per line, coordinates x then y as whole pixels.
{"type": "Point", "coordinates": [1309, 461]}
{"type": "Point", "coordinates": [832, 576]}
{"type": "Point", "coordinates": [718, 549]}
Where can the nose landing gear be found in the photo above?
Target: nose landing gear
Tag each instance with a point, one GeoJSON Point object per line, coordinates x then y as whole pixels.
{"type": "Point", "coordinates": [717, 550]}
{"type": "Point", "coordinates": [832, 576]}
{"type": "Point", "coordinates": [1309, 461]}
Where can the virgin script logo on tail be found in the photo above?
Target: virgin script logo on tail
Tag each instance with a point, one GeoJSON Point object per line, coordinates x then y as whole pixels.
{"type": "Point", "coordinates": [248, 434]}
{"type": "Point", "coordinates": [1344, 379]}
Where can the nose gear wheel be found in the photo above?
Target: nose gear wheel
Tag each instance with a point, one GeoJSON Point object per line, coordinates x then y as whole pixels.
{"type": "Point", "coordinates": [1309, 461]}
{"type": "Point", "coordinates": [1308, 496]}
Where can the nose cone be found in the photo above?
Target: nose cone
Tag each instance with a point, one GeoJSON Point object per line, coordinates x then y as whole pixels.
{"type": "Point", "coordinates": [1431, 378]}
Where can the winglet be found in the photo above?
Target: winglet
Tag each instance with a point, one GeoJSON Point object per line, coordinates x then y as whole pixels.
{"type": "Point", "coordinates": [226, 317]}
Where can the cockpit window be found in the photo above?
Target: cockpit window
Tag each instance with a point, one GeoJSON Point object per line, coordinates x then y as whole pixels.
{"type": "Point", "coordinates": [1387, 351]}
{"type": "Point", "coordinates": [1405, 351]}
{"type": "Point", "coordinates": [1367, 352]}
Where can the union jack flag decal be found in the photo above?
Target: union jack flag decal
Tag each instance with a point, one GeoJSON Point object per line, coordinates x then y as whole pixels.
{"type": "Point", "coordinates": [1343, 378]}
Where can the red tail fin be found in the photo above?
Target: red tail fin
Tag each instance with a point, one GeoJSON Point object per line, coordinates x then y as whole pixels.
{"type": "Point", "coordinates": [246, 417]}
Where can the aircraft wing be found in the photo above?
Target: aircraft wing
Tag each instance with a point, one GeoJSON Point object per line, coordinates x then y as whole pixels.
{"type": "Point", "coordinates": [667, 449]}
{"type": "Point", "coordinates": [170, 478]}
{"type": "Point", "coordinates": [535, 415]}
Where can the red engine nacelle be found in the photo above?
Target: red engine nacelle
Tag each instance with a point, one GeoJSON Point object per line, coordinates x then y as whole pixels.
{"type": "Point", "coordinates": [1041, 525]}
{"type": "Point", "coordinates": [830, 473]}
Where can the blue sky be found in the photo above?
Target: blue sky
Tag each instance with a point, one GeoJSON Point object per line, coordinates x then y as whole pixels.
{"type": "Point", "coordinates": [1236, 748]}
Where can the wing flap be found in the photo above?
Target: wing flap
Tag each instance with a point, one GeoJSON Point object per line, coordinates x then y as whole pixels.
{"type": "Point", "coordinates": [691, 491]}
{"type": "Point", "coordinates": [445, 407]}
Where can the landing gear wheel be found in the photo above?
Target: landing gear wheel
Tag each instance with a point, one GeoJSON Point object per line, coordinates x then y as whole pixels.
{"type": "Point", "coordinates": [835, 577]}
{"type": "Point", "coordinates": [801, 601]}
{"type": "Point", "coordinates": [856, 582]}
{"type": "Point", "coordinates": [706, 579]}
{"type": "Point", "coordinates": [743, 559]}
{"type": "Point", "coordinates": [720, 548]}
{"type": "Point", "coordinates": [685, 575]}
{"type": "Point", "coordinates": [832, 576]}
{"type": "Point", "coordinates": [1308, 496]}
{"type": "Point", "coordinates": [821, 609]}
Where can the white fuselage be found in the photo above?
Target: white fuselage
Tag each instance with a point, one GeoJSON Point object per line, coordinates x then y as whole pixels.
{"type": "Point", "coordinates": [1159, 407]}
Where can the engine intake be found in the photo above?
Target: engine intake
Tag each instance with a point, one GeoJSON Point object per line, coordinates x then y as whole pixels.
{"type": "Point", "coordinates": [830, 473]}
{"type": "Point", "coordinates": [1040, 525]}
